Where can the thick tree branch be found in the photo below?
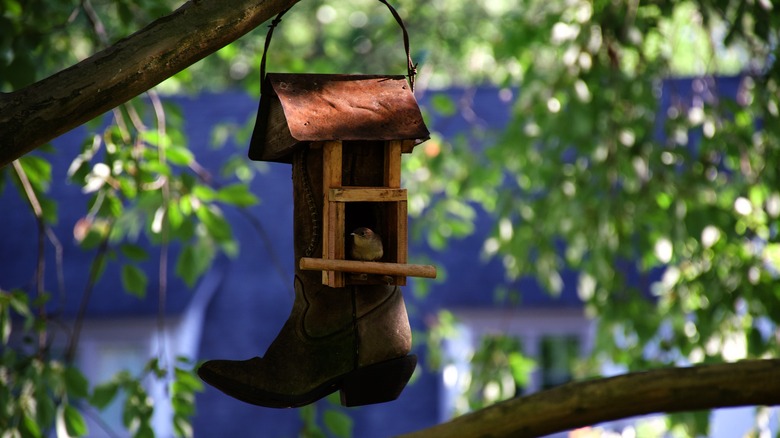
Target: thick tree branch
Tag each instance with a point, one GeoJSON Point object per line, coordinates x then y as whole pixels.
{"type": "Point", "coordinates": [50, 107]}
{"type": "Point", "coordinates": [579, 404]}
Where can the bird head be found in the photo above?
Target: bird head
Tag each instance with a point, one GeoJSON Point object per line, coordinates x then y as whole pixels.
{"type": "Point", "coordinates": [363, 233]}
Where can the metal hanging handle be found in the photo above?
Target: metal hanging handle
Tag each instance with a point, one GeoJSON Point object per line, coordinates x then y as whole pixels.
{"type": "Point", "coordinates": [411, 67]}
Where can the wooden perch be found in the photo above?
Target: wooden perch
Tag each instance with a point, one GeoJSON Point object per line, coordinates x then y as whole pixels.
{"type": "Point", "coordinates": [580, 404]}
{"type": "Point", "coordinates": [394, 269]}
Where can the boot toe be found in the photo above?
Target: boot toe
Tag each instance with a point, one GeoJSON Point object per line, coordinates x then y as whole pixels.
{"type": "Point", "coordinates": [251, 381]}
{"type": "Point", "coordinates": [228, 375]}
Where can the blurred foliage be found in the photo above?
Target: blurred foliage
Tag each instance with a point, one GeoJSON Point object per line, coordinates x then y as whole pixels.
{"type": "Point", "coordinates": [670, 218]}
{"type": "Point", "coordinates": [43, 394]}
{"type": "Point", "coordinates": [325, 418]}
{"type": "Point", "coordinates": [499, 371]}
{"type": "Point", "coordinates": [669, 215]}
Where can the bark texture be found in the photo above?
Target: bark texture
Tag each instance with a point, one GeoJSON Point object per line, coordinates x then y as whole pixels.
{"type": "Point", "coordinates": [579, 404]}
{"type": "Point", "coordinates": [34, 115]}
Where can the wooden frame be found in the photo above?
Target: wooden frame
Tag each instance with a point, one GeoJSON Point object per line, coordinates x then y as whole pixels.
{"type": "Point", "coordinates": [336, 270]}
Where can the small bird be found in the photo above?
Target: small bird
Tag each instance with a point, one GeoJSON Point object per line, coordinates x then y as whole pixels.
{"type": "Point", "coordinates": [366, 245]}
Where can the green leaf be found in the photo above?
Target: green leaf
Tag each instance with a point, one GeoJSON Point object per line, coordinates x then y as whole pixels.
{"type": "Point", "coordinates": [237, 194]}
{"type": "Point", "coordinates": [75, 382]}
{"type": "Point", "coordinates": [338, 423]}
{"type": "Point", "coordinates": [185, 266]}
{"type": "Point", "coordinates": [134, 252]}
{"type": "Point", "coordinates": [29, 427]}
{"type": "Point", "coordinates": [215, 223]}
{"type": "Point", "coordinates": [128, 187]}
{"type": "Point", "coordinates": [134, 280]}
{"type": "Point", "coordinates": [74, 421]}
{"type": "Point", "coordinates": [104, 394]}
{"type": "Point", "coordinates": [49, 208]}
{"type": "Point", "coordinates": [182, 427]}
{"type": "Point", "coordinates": [153, 137]}
{"type": "Point", "coordinates": [311, 429]}
{"type": "Point", "coordinates": [37, 169]}
{"type": "Point", "coordinates": [193, 261]}
{"type": "Point", "coordinates": [46, 409]}
{"type": "Point", "coordinates": [20, 302]}
{"type": "Point", "coordinates": [175, 217]}
{"type": "Point", "coordinates": [204, 193]}
{"type": "Point", "coordinates": [443, 104]}
{"type": "Point", "coordinates": [145, 431]}
{"type": "Point", "coordinates": [70, 422]}
{"type": "Point", "coordinates": [5, 324]}
{"type": "Point", "coordinates": [521, 368]}
{"type": "Point", "coordinates": [93, 238]}
{"type": "Point", "coordinates": [187, 380]}
{"type": "Point", "coordinates": [179, 155]}
{"type": "Point", "coordinates": [755, 342]}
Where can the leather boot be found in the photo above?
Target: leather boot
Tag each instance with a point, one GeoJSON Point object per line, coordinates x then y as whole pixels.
{"type": "Point", "coordinates": [354, 339]}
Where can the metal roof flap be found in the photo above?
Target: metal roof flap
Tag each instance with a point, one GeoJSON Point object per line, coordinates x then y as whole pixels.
{"type": "Point", "coordinates": [322, 107]}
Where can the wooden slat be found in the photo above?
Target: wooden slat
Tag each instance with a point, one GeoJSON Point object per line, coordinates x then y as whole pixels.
{"type": "Point", "coordinates": [332, 212]}
{"type": "Point", "coordinates": [403, 237]}
{"type": "Point", "coordinates": [393, 164]}
{"type": "Point", "coordinates": [396, 214]}
{"type": "Point", "coordinates": [393, 269]}
{"type": "Point", "coordinates": [367, 194]}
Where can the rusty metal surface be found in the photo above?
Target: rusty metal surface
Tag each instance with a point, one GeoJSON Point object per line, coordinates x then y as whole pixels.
{"type": "Point", "coordinates": [322, 107]}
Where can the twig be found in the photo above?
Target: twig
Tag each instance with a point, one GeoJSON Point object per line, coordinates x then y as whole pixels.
{"type": "Point", "coordinates": [59, 261]}
{"type": "Point", "coordinates": [94, 20]}
{"type": "Point", "coordinates": [159, 112]}
{"type": "Point", "coordinates": [94, 269]}
{"type": "Point", "coordinates": [41, 263]}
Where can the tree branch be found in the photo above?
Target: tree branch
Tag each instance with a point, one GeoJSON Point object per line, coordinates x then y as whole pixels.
{"type": "Point", "coordinates": [579, 404]}
{"type": "Point", "coordinates": [52, 106]}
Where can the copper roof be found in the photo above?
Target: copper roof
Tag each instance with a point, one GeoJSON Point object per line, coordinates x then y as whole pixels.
{"type": "Point", "coordinates": [322, 107]}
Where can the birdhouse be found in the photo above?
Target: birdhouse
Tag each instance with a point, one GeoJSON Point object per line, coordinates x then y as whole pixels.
{"type": "Point", "coordinates": [344, 135]}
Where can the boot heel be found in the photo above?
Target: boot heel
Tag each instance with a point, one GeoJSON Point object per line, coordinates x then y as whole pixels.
{"type": "Point", "coordinates": [378, 383]}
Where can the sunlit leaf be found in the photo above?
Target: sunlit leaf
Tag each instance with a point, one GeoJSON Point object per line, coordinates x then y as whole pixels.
{"type": "Point", "coordinates": [70, 422]}
{"type": "Point", "coordinates": [29, 427]}
{"type": "Point", "coordinates": [179, 155]}
{"type": "Point", "coordinates": [204, 193]}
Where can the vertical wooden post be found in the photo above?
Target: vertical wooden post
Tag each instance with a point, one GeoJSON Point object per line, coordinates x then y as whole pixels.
{"type": "Point", "coordinates": [393, 164]}
{"type": "Point", "coordinates": [332, 212]}
{"type": "Point", "coordinates": [397, 210]}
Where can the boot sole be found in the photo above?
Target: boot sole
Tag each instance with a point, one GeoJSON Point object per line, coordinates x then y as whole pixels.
{"type": "Point", "coordinates": [377, 383]}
